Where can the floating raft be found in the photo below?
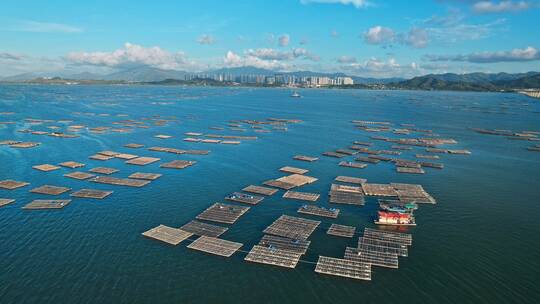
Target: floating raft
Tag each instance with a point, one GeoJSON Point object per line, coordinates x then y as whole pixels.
{"type": "Point", "coordinates": [215, 246]}
{"type": "Point", "coordinates": [387, 246]}
{"type": "Point", "coordinates": [352, 165]}
{"type": "Point", "coordinates": [103, 170]}
{"type": "Point", "coordinates": [292, 227]}
{"type": "Point", "coordinates": [200, 228]}
{"type": "Point", "coordinates": [368, 160]}
{"type": "Point", "coordinates": [100, 157]}
{"type": "Point", "coordinates": [341, 230]}
{"type": "Point", "coordinates": [403, 238]}
{"type": "Point", "coordinates": [343, 268]}
{"type": "Point", "coordinates": [244, 198]}
{"type": "Point", "coordinates": [379, 189]}
{"type": "Point", "coordinates": [25, 145]}
{"type": "Point", "coordinates": [303, 196]}
{"type": "Point", "coordinates": [375, 258]}
{"type": "Point", "coordinates": [133, 146]}
{"type": "Point", "coordinates": [178, 164]}
{"type": "Point", "coordinates": [145, 176]}
{"type": "Point", "coordinates": [290, 181]}
{"type": "Point", "coordinates": [348, 195]}
{"type": "Point", "coordinates": [91, 193]}
{"type": "Point", "coordinates": [223, 213]}
{"type": "Point", "coordinates": [142, 161]}
{"type": "Point", "coordinates": [125, 156]}
{"type": "Point", "coordinates": [12, 184]}
{"type": "Point", "coordinates": [273, 256]}
{"type": "Point", "coordinates": [351, 180]}
{"type": "Point", "coordinates": [50, 190]}
{"type": "Point", "coordinates": [169, 235]}
{"type": "Point", "coordinates": [46, 167]}
{"type": "Point", "coordinates": [319, 211]}
{"type": "Point", "coordinates": [120, 181]}
{"type": "Point", "coordinates": [409, 170]}
{"type": "Point", "coordinates": [334, 154]}
{"type": "Point", "coordinates": [409, 193]}
{"type": "Point", "coordinates": [47, 204]}
{"type": "Point", "coordinates": [305, 158]}
{"type": "Point", "coordinates": [293, 170]}
{"type": "Point", "coordinates": [284, 243]}
{"type": "Point", "coordinates": [71, 164]}
{"type": "Point", "coordinates": [6, 201]}
{"type": "Point", "coordinates": [260, 190]}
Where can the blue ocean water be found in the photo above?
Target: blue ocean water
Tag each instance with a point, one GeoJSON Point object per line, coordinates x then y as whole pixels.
{"type": "Point", "coordinates": [479, 244]}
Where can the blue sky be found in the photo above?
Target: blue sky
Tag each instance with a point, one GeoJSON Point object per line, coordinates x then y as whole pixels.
{"type": "Point", "coordinates": [376, 38]}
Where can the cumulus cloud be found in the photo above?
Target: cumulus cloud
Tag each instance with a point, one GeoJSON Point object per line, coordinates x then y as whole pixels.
{"type": "Point", "coordinates": [10, 56]}
{"type": "Point", "coordinates": [133, 55]}
{"type": "Point", "coordinates": [206, 39]}
{"type": "Point", "coordinates": [284, 40]}
{"type": "Point", "coordinates": [416, 37]}
{"type": "Point", "coordinates": [379, 35]}
{"type": "Point", "coordinates": [268, 58]}
{"type": "Point", "coordinates": [232, 59]}
{"type": "Point", "coordinates": [355, 3]}
{"type": "Point", "coordinates": [346, 59]}
{"type": "Point", "coordinates": [375, 67]}
{"type": "Point", "coordinates": [526, 54]}
{"type": "Point", "coordinates": [384, 36]}
{"type": "Point", "coordinates": [483, 7]}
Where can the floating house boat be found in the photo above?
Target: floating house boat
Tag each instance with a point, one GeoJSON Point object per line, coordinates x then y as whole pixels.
{"type": "Point", "coordinates": [395, 219]}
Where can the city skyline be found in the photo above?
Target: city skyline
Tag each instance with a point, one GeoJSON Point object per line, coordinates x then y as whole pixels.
{"type": "Point", "coordinates": [360, 38]}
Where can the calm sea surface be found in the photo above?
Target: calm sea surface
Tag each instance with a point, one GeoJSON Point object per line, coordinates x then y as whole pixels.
{"type": "Point", "coordinates": [479, 244]}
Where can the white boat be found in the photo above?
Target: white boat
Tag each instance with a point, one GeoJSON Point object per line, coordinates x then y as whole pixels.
{"type": "Point", "coordinates": [296, 94]}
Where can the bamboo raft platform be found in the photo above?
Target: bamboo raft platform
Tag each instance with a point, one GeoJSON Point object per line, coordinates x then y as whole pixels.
{"type": "Point", "coordinates": [120, 181]}
{"type": "Point", "coordinates": [334, 154]}
{"type": "Point", "coordinates": [412, 193]}
{"type": "Point", "coordinates": [379, 189]}
{"type": "Point", "coordinates": [91, 193]}
{"type": "Point", "coordinates": [293, 170]}
{"type": "Point", "coordinates": [273, 256]}
{"type": "Point", "coordinates": [46, 167]}
{"type": "Point", "coordinates": [343, 268]}
{"type": "Point", "coordinates": [6, 201]}
{"type": "Point", "coordinates": [292, 227]}
{"type": "Point", "coordinates": [244, 198]}
{"type": "Point", "coordinates": [46, 204]}
{"type": "Point", "coordinates": [354, 165]}
{"type": "Point", "coordinates": [9, 184]}
{"type": "Point", "coordinates": [403, 238]}
{"type": "Point", "coordinates": [427, 156]}
{"type": "Point", "coordinates": [346, 151]}
{"type": "Point", "coordinates": [201, 228]}
{"type": "Point", "coordinates": [50, 190]}
{"type": "Point", "coordinates": [100, 157]}
{"type": "Point", "coordinates": [409, 170]}
{"type": "Point", "coordinates": [103, 170]}
{"type": "Point", "coordinates": [278, 184]}
{"type": "Point", "coordinates": [25, 145]}
{"type": "Point", "coordinates": [306, 158]}
{"type": "Point", "coordinates": [284, 243]}
{"type": "Point", "coordinates": [297, 180]}
{"type": "Point", "coordinates": [350, 180]}
{"type": "Point", "coordinates": [222, 213]}
{"type": "Point", "coordinates": [341, 230]}
{"type": "Point", "coordinates": [382, 246]}
{"type": "Point", "coordinates": [145, 176]}
{"type": "Point", "coordinates": [363, 143]}
{"type": "Point", "coordinates": [178, 164]}
{"type": "Point", "coordinates": [260, 190]}
{"type": "Point", "coordinates": [381, 158]}
{"type": "Point", "coordinates": [348, 195]}
{"type": "Point", "coordinates": [71, 164]}
{"type": "Point", "coordinates": [133, 146]}
{"type": "Point", "coordinates": [169, 235]}
{"type": "Point", "coordinates": [215, 246]}
{"type": "Point", "coordinates": [432, 165]}
{"type": "Point", "coordinates": [374, 258]}
{"type": "Point", "coordinates": [197, 152]}
{"type": "Point", "coordinates": [162, 136]}
{"type": "Point", "coordinates": [231, 142]}
{"type": "Point", "coordinates": [303, 196]}
{"type": "Point", "coordinates": [167, 150]}
{"type": "Point", "coordinates": [368, 160]}
{"type": "Point", "coordinates": [318, 211]}
{"type": "Point", "coordinates": [142, 161]}
{"type": "Point", "coordinates": [126, 156]}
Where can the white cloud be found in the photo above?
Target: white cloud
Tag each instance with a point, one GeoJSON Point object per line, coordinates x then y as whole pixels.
{"type": "Point", "coordinates": [416, 37]}
{"type": "Point", "coordinates": [268, 58]}
{"type": "Point", "coordinates": [499, 7]}
{"type": "Point", "coordinates": [232, 59]}
{"type": "Point", "coordinates": [284, 40]}
{"type": "Point", "coordinates": [374, 67]}
{"type": "Point", "coordinates": [10, 56]}
{"type": "Point", "coordinates": [379, 35]}
{"type": "Point", "coordinates": [206, 39]}
{"type": "Point", "coordinates": [526, 54]}
{"type": "Point", "coordinates": [346, 59]}
{"type": "Point", "coordinates": [43, 27]}
{"type": "Point", "coordinates": [133, 55]}
{"type": "Point", "coordinates": [355, 3]}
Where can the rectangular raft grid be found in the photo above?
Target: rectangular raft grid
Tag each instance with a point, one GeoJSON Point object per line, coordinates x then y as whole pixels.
{"type": "Point", "coordinates": [178, 164]}
{"type": "Point", "coordinates": [284, 243]}
{"type": "Point", "coordinates": [334, 154]}
{"type": "Point", "coordinates": [343, 268]}
{"type": "Point", "coordinates": [79, 175]}
{"type": "Point", "coordinates": [278, 184]}
{"type": "Point", "coordinates": [293, 170]}
{"type": "Point", "coordinates": [297, 180]}
{"type": "Point", "coordinates": [9, 184]}
{"type": "Point", "coordinates": [379, 189]}
{"type": "Point", "coordinates": [103, 170]}
{"type": "Point", "coordinates": [6, 201]}
{"type": "Point", "coordinates": [303, 196]}
{"type": "Point", "coordinates": [410, 170]}
{"type": "Point", "coordinates": [169, 235]}
{"type": "Point", "coordinates": [126, 156]}
{"type": "Point", "coordinates": [46, 204]}
{"type": "Point", "coordinates": [305, 158]}
{"type": "Point", "coordinates": [145, 176]}
{"type": "Point", "coordinates": [71, 164]}
{"type": "Point", "coordinates": [133, 146]}
{"type": "Point", "coordinates": [260, 190]}
{"type": "Point", "coordinates": [341, 230]}
{"type": "Point", "coordinates": [215, 246]}
{"type": "Point", "coordinates": [350, 164]}
{"type": "Point", "coordinates": [318, 211]}
{"type": "Point", "coordinates": [100, 157]}
{"type": "Point", "coordinates": [348, 195]}
{"type": "Point", "coordinates": [91, 193]}
{"type": "Point", "coordinates": [273, 256]}
{"type": "Point", "coordinates": [46, 167]}
{"type": "Point", "coordinates": [244, 198]}
{"type": "Point", "coordinates": [374, 244]}
{"type": "Point", "coordinates": [374, 258]}
{"type": "Point", "coordinates": [292, 227]}
{"type": "Point", "coordinates": [351, 180]}
{"type": "Point", "coordinates": [403, 238]}
{"type": "Point", "coordinates": [50, 190]}
{"type": "Point", "coordinates": [119, 181]}
{"type": "Point", "coordinates": [200, 228]}
{"type": "Point", "coordinates": [223, 213]}
{"type": "Point", "coordinates": [142, 161]}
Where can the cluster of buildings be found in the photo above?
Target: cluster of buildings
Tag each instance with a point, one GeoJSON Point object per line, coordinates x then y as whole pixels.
{"type": "Point", "coordinates": [276, 79]}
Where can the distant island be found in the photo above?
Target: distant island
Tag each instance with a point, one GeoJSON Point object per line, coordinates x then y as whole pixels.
{"type": "Point", "coordinates": [256, 77]}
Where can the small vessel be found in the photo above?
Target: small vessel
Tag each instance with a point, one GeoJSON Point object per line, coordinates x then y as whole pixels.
{"type": "Point", "coordinates": [296, 94]}
{"type": "Point", "coordinates": [397, 206]}
{"type": "Point", "coordinates": [395, 219]}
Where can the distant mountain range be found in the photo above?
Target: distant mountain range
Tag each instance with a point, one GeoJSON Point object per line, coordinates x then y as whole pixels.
{"type": "Point", "coordinates": [448, 81]}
